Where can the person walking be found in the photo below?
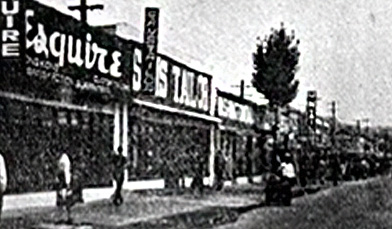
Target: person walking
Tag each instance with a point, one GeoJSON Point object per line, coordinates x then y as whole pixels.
{"type": "Point", "coordinates": [335, 166]}
{"type": "Point", "coordinates": [119, 165]}
{"type": "Point", "coordinates": [77, 183]}
{"type": "Point", "coordinates": [198, 174]}
{"type": "Point", "coordinates": [218, 169]}
{"type": "Point", "coordinates": [63, 178]}
{"type": "Point", "coordinates": [3, 181]}
{"type": "Point", "coordinates": [64, 190]}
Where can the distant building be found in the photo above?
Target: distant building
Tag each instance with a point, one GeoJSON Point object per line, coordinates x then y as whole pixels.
{"type": "Point", "coordinates": [236, 137]}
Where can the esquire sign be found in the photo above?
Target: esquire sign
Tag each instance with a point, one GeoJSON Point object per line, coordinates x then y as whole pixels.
{"type": "Point", "coordinates": [59, 48]}
{"type": "Point", "coordinates": [65, 48]}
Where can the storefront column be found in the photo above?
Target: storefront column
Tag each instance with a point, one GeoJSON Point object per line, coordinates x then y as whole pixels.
{"type": "Point", "coordinates": [117, 127]}
{"type": "Point", "coordinates": [125, 135]}
{"type": "Point", "coordinates": [212, 155]}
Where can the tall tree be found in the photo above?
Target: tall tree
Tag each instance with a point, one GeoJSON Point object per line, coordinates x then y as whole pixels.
{"type": "Point", "coordinates": [275, 64]}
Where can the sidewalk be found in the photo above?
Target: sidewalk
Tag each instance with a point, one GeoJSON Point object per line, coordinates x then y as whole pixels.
{"type": "Point", "coordinates": [48, 199]}
{"type": "Point", "coordinates": [147, 209]}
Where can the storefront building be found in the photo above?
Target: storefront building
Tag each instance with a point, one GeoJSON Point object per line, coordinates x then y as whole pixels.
{"type": "Point", "coordinates": [171, 130]}
{"type": "Point", "coordinates": [70, 87]}
{"type": "Point", "coordinates": [236, 136]}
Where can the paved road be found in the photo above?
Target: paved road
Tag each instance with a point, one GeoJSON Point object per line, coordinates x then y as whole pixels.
{"type": "Point", "coordinates": [363, 204]}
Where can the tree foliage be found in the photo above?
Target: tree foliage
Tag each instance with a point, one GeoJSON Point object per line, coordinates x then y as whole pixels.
{"type": "Point", "coordinates": [275, 64]}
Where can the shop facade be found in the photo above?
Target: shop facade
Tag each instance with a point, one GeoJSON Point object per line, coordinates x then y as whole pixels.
{"type": "Point", "coordinates": [236, 137]}
{"type": "Point", "coordinates": [62, 81]}
{"type": "Point", "coordinates": [67, 86]}
{"type": "Point", "coordinates": [171, 131]}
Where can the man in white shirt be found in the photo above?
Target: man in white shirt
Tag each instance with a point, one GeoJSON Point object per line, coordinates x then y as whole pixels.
{"type": "Point", "coordinates": [64, 179]}
{"type": "Point", "coordinates": [288, 171]}
{"type": "Point", "coordinates": [64, 190]}
{"type": "Point", "coordinates": [3, 180]}
{"type": "Point", "coordinates": [65, 167]}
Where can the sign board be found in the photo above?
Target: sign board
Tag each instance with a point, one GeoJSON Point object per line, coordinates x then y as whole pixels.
{"type": "Point", "coordinates": [176, 84]}
{"type": "Point", "coordinates": [151, 25]}
{"type": "Point", "coordinates": [10, 29]}
{"type": "Point", "coordinates": [235, 111]}
{"type": "Point", "coordinates": [11, 41]}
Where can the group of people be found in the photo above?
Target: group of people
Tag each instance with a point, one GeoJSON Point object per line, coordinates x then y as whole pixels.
{"type": "Point", "coordinates": [69, 187]}
{"type": "Point", "coordinates": [279, 162]}
{"type": "Point", "coordinates": [316, 166]}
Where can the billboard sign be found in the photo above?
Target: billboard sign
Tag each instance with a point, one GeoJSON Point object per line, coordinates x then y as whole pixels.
{"type": "Point", "coordinates": [175, 83]}
{"type": "Point", "coordinates": [60, 44]}
{"type": "Point", "coordinates": [182, 85]}
{"type": "Point", "coordinates": [43, 50]}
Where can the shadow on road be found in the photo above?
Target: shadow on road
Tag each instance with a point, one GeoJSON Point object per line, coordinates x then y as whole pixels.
{"type": "Point", "coordinates": [208, 217]}
{"type": "Point", "coordinates": [203, 218]}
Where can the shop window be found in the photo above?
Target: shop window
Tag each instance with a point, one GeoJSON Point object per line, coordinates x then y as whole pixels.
{"type": "Point", "coordinates": [62, 117]}
{"type": "Point", "coordinates": [47, 118]}
{"type": "Point", "coordinates": [74, 119]}
{"type": "Point", "coordinates": [85, 119]}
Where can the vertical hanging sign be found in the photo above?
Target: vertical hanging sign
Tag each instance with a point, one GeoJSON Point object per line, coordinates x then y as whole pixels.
{"type": "Point", "coordinates": [150, 50]}
{"type": "Point", "coordinates": [10, 35]}
{"type": "Point", "coordinates": [11, 44]}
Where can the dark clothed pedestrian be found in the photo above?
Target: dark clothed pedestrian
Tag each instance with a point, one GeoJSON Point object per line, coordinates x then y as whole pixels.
{"type": "Point", "coordinates": [77, 187]}
{"type": "Point", "coordinates": [197, 182]}
{"type": "Point", "coordinates": [119, 165]}
{"type": "Point", "coordinates": [335, 166]}
{"type": "Point", "coordinates": [219, 167]}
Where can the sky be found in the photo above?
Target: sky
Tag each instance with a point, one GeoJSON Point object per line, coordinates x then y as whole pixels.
{"type": "Point", "coordinates": [345, 46]}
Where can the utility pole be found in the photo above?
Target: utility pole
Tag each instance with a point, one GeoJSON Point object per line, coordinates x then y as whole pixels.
{"type": "Point", "coordinates": [242, 87]}
{"type": "Point", "coordinates": [333, 124]}
{"type": "Point", "coordinates": [335, 161]}
{"type": "Point", "coordinates": [83, 8]}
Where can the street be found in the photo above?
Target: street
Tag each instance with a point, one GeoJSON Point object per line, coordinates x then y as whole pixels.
{"type": "Point", "coordinates": [356, 204]}
{"type": "Point", "coordinates": [195, 114]}
{"type": "Point", "coordinates": [359, 204]}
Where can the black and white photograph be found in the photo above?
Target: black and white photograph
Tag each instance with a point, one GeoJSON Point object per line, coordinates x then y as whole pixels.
{"type": "Point", "coordinates": [195, 114]}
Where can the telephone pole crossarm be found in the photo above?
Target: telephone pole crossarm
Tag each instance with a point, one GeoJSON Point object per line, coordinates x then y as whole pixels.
{"type": "Point", "coordinates": [83, 8]}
